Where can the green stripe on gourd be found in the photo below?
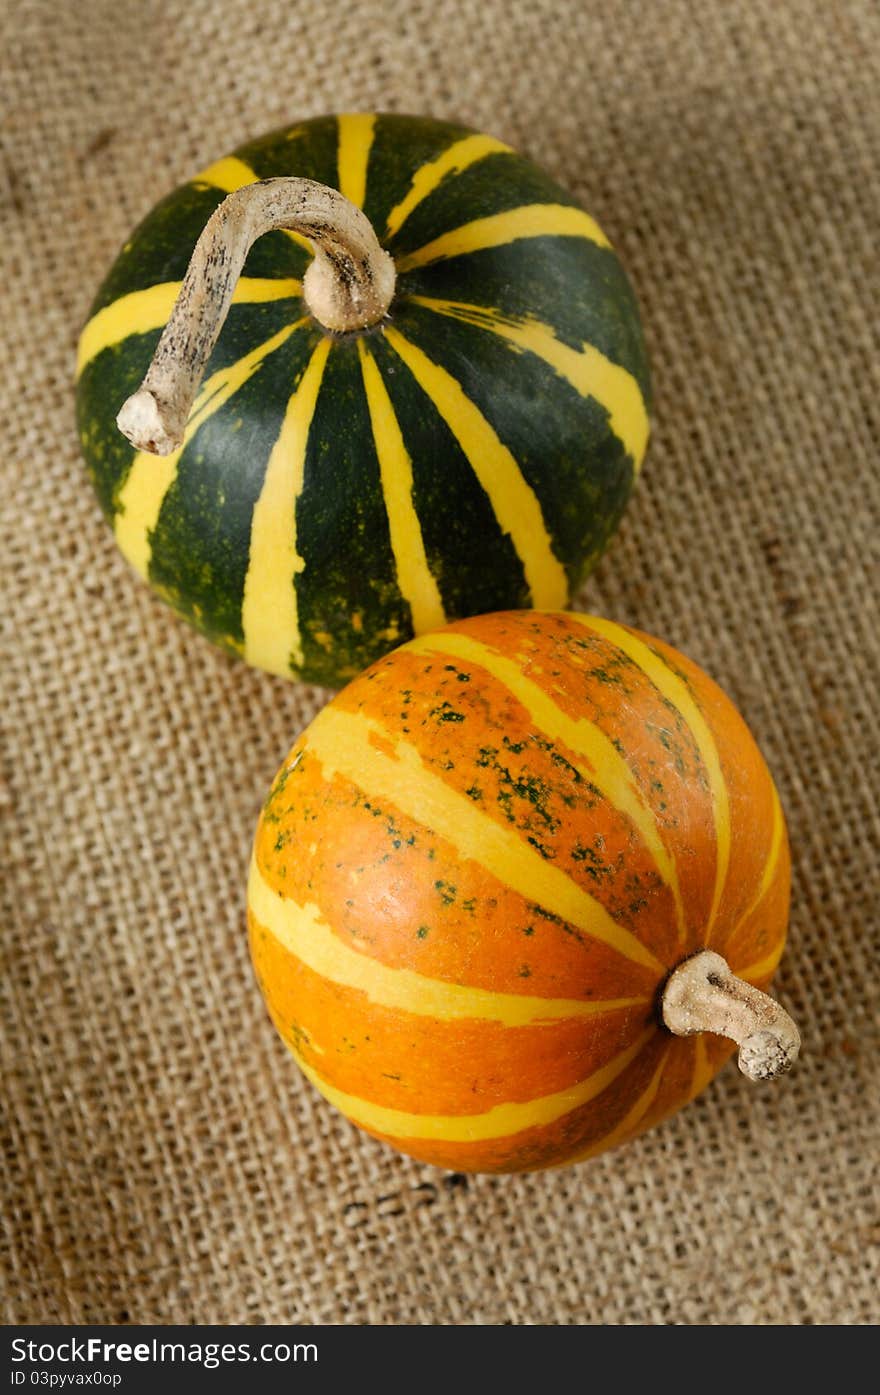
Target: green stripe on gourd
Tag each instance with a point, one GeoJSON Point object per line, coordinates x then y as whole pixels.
{"type": "Point", "coordinates": [114, 373]}
{"type": "Point", "coordinates": [496, 184]}
{"type": "Point", "coordinates": [474, 563]}
{"type": "Point", "coordinates": [405, 151]}
{"type": "Point", "coordinates": [348, 591]}
{"type": "Point", "coordinates": [579, 506]}
{"type": "Point", "coordinates": [582, 295]}
{"type": "Point", "coordinates": [160, 248]}
{"type": "Point", "coordinates": [202, 541]}
{"type": "Point", "coordinates": [308, 150]}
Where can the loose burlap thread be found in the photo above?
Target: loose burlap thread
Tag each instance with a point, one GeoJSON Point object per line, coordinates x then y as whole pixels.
{"type": "Point", "coordinates": [163, 1159]}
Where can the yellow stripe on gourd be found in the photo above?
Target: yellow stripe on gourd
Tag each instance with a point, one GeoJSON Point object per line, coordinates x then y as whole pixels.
{"type": "Point", "coordinates": [514, 503]}
{"type": "Point", "coordinates": [703, 1068]}
{"type": "Point", "coordinates": [304, 933]}
{"type": "Point", "coordinates": [141, 311]}
{"type": "Point", "coordinates": [353, 156]}
{"type": "Point", "coordinates": [231, 174]}
{"type": "Point", "coordinates": [502, 1121]}
{"type": "Point", "coordinates": [452, 161]}
{"type": "Point", "coordinates": [499, 229]}
{"type": "Point", "coordinates": [151, 476]}
{"type": "Point", "coordinates": [607, 769]}
{"type": "Point", "coordinates": [269, 613]}
{"type": "Point", "coordinates": [417, 585]}
{"type": "Point", "coordinates": [763, 968]}
{"type": "Point", "coordinates": [348, 744]}
{"type": "Point", "coordinates": [588, 371]}
{"type": "Point", "coordinates": [772, 862]}
{"type": "Point", "coordinates": [227, 174]}
{"type": "Point", "coordinates": [675, 690]}
{"type": "Point", "coordinates": [628, 1123]}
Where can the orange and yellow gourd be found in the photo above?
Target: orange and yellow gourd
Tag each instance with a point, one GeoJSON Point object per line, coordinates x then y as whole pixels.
{"type": "Point", "coordinates": [477, 868]}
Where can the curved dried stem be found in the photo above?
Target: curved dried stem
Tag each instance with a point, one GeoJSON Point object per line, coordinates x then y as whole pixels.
{"type": "Point", "coordinates": [348, 286]}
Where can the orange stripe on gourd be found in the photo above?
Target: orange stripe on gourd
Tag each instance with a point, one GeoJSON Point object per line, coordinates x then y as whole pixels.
{"type": "Point", "coordinates": [550, 1144]}
{"type": "Point", "coordinates": [753, 949]}
{"type": "Point", "coordinates": [675, 1082]}
{"type": "Point", "coordinates": [718, 1052]}
{"type": "Point", "coordinates": [757, 932]}
{"type": "Point", "coordinates": [664, 1093]}
{"type": "Point", "coordinates": [403, 894]}
{"type": "Point", "coordinates": [682, 717]}
{"type": "Point", "coordinates": [751, 797]}
{"type": "Point", "coordinates": [632, 1122]}
{"type": "Point", "coordinates": [686, 1069]}
{"type": "Point", "coordinates": [710, 1054]}
{"type": "Point", "coordinates": [568, 737]}
{"type": "Point", "coordinates": [422, 1064]}
{"type": "Point", "coordinates": [354, 745]}
{"type": "Point", "coordinates": [300, 927]}
{"type": "Point", "coordinates": [472, 733]}
{"type": "Point", "coordinates": [659, 751]}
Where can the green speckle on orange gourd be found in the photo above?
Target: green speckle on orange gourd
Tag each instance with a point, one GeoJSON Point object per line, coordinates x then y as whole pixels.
{"type": "Point", "coordinates": [482, 868]}
{"type": "Point", "coordinates": [336, 493]}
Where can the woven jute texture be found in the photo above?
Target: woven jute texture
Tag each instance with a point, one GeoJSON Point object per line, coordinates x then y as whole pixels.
{"type": "Point", "coordinates": [163, 1158]}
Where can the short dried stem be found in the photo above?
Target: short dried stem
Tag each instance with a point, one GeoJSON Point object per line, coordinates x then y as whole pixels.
{"type": "Point", "coordinates": [702, 995]}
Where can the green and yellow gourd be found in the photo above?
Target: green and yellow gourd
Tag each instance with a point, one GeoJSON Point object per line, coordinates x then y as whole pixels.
{"type": "Point", "coordinates": [470, 450]}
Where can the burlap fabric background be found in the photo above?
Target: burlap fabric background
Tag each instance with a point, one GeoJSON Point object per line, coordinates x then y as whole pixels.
{"type": "Point", "coordinates": [163, 1159]}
